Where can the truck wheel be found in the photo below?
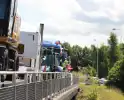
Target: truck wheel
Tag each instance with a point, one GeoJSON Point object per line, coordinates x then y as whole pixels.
{"type": "Point", "coordinates": [16, 62]}
{"type": "Point", "coordinates": [6, 60]}
{"type": "Point", "coordinates": [12, 65]}
{"type": "Point", "coordinates": [4, 64]}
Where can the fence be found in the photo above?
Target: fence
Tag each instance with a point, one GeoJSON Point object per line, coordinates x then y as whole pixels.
{"type": "Point", "coordinates": [37, 86]}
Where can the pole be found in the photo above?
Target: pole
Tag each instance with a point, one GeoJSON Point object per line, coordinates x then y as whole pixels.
{"type": "Point", "coordinates": [41, 29]}
{"type": "Point", "coordinates": [120, 39]}
{"type": "Point", "coordinates": [97, 62]}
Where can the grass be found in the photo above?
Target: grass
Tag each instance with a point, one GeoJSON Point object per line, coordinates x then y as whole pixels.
{"type": "Point", "coordinates": [78, 73]}
{"type": "Point", "coordinates": [110, 94]}
{"type": "Point", "coordinates": [103, 93]}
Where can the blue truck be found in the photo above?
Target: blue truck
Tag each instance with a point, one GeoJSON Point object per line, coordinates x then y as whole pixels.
{"type": "Point", "coordinates": [53, 55]}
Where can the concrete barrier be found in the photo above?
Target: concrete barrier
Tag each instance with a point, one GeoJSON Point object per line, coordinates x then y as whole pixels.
{"type": "Point", "coordinates": [69, 94]}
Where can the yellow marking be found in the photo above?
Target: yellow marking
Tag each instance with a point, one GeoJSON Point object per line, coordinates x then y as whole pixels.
{"type": "Point", "coordinates": [4, 40]}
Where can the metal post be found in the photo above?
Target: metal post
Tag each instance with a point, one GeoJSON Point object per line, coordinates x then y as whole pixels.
{"type": "Point", "coordinates": [47, 84]}
{"type": "Point", "coordinates": [54, 83]}
{"type": "Point", "coordinates": [14, 83]}
{"type": "Point", "coordinates": [51, 84]}
{"type": "Point", "coordinates": [41, 80]}
{"type": "Point", "coordinates": [34, 79]}
{"type": "Point", "coordinates": [97, 63]}
{"type": "Point", "coordinates": [26, 82]}
{"type": "Point", "coordinates": [41, 33]}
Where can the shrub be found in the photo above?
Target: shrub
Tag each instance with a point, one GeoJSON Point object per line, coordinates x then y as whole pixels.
{"type": "Point", "coordinates": [93, 95]}
{"type": "Point", "coordinates": [114, 74]}
{"type": "Point", "coordinates": [89, 70]}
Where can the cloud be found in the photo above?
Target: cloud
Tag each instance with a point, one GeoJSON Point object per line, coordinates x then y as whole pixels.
{"type": "Point", "coordinates": [111, 9]}
{"type": "Point", "coordinates": [75, 21]}
{"type": "Point", "coordinates": [107, 14]}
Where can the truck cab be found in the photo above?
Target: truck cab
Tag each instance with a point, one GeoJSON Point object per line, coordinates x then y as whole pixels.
{"type": "Point", "coordinates": [32, 51]}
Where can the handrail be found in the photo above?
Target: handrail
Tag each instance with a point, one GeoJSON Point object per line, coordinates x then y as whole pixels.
{"type": "Point", "coordinates": [25, 72]}
{"type": "Point", "coordinates": [37, 85]}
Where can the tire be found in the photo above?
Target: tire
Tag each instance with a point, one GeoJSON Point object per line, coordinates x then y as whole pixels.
{"type": "Point", "coordinates": [16, 64]}
{"type": "Point", "coordinates": [4, 64]}
{"type": "Point", "coordinates": [6, 59]}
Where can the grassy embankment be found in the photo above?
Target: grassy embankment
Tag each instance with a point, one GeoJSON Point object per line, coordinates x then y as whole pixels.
{"type": "Point", "coordinates": [95, 92]}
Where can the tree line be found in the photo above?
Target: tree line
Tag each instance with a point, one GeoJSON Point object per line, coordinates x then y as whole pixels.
{"type": "Point", "coordinates": [110, 59]}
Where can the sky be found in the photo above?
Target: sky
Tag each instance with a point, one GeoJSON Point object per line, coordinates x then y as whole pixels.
{"type": "Point", "coordinates": [75, 21]}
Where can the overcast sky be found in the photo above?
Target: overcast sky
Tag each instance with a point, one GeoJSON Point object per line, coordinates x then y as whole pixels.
{"type": "Point", "coordinates": [75, 21]}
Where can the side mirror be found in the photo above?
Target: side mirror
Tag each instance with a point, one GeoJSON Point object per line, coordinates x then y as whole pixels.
{"type": "Point", "coordinates": [21, 48]}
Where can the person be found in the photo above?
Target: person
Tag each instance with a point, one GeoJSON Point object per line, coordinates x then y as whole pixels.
{"type": "Point", "coordinates": [64, 64]}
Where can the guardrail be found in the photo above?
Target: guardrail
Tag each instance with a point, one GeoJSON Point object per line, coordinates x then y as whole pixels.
{"type": "Point", "coordinates": [37, 86]}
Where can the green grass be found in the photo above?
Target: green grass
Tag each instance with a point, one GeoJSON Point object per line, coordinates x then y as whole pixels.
{"type": "Point", "coordinates": [78, 73]}
{"type": "Point", "coordinates": [103, 93]}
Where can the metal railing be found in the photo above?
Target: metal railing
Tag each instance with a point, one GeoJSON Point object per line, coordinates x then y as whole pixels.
{"type": "Point", "coordinates": [36, 86]}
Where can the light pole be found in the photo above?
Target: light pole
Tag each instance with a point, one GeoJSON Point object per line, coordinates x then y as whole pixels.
{"type": "Point", "coordinates": [115, 29]}
{"type": "Point", "coordinates": [97, 60]}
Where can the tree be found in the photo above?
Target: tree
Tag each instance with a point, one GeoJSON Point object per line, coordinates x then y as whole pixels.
{"type": "Point", "coordinates": [89, 70]}
{"type": "Point", "coordinates": [121, 49]}
{"type": "Point", "coordinates": [93, 55]}
{"type": "Point", "coordinates": [68, 47]}
{"type": "Point", "coordinates": [113, 50]}
{"type": "Point", "coordinates": [116, 74]}
{"type": "Point", "coordinates": [85, 57]}
{"type": "Point", "coordinates": [103, 61]}
{"type": "Point", "coordinates": [76, 56]}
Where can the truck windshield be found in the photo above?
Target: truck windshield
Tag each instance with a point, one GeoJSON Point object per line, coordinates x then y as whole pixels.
{"type": "Point", "coordinates": [3, 6]}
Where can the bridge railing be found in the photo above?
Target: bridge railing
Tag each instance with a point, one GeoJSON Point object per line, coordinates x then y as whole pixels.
{"type": "Point", "coordinates": [36, 86]}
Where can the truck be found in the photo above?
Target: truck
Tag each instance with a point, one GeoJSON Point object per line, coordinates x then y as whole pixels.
{"type": "Point", "coordinates": [52, 49]}
{"type": "Point", "coordinates": [55, 55]}
{"type": "Point", "coordinates": [30, 60]}
{"type": "Point", "coordinates": [10, 45]}
{"type": "Point", "coordinates": [32, 51]}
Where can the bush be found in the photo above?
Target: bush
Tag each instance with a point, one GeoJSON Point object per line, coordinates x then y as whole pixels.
{"type": "Point", "coordinates": [89, 70]}
{"type": "Point", "coordinates": [116, 75]}
{"type": "Point", "coordinates": [93, 95]}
